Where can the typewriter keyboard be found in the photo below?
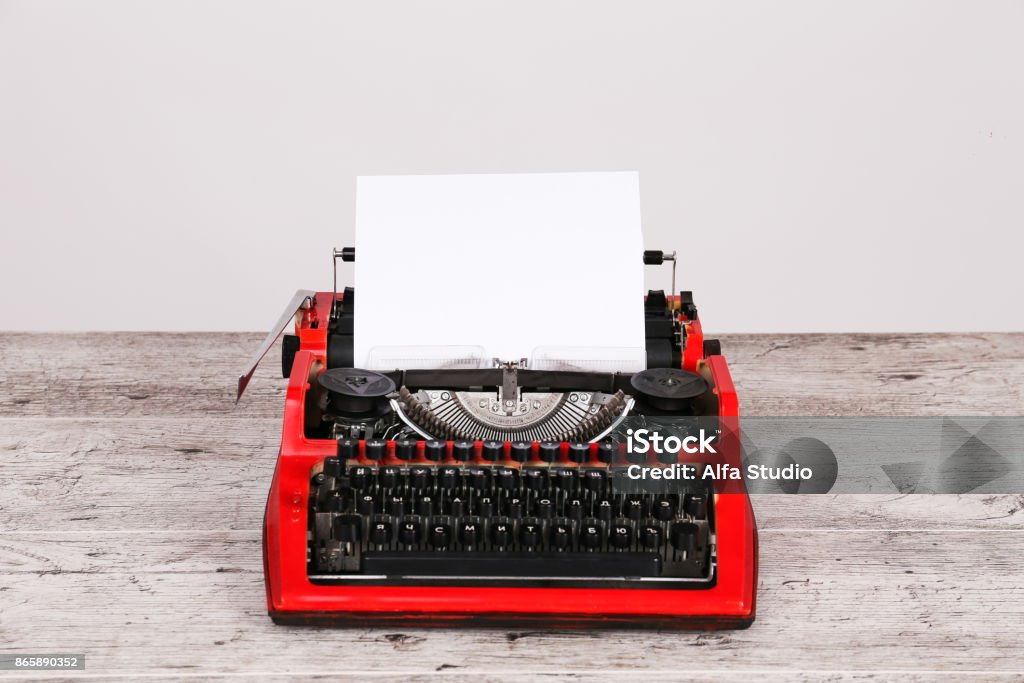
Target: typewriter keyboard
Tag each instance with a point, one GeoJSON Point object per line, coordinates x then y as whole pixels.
{"type": "Point", "coordinates": [468, 523]}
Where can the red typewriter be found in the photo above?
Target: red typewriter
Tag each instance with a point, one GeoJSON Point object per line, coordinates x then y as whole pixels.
{"type": "Point", "coordinates": [502, 494]}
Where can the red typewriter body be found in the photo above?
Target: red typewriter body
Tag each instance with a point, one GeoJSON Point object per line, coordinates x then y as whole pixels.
{"type": "Point", "coordinates": [727, 600]}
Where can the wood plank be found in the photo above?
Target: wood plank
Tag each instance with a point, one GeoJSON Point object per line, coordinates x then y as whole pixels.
{"type": "Point", "coordinates": [101, 474]}
{"type": "Point", "coordinates": [163, 374]}
{"type": "Point", "coordinates": [134, 490]}
{"type": "Point", "coordinates": [934, 600]}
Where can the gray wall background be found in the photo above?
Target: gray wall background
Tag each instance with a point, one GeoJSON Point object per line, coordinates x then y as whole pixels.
{"type": "Point", "coordinates": [821, 166]}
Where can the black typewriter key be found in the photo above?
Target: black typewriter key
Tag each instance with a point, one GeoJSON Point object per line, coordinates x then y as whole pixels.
{"type": "Point", "coordinates": [359, 477]}
{"type": "Point", "coordinates": [405, 449]}
{"type": "Point", "coordinates": [549, 451]}
{"type": "Point", "coordinates": [664, 510]}
{"type": "Point", "coordinates": [667, 457]}
{"type": "Point", "coordinates": [462, 450]}
{"type": "Point", "coordinates": [604, 510]}
{"type": "Point", "coordinates": [507, 478]}
{"type": "Point", "coordinates": [493, 451]}
{"type": "Point", "coordinates": [332, 467]}
{"type": "Point", "coordinates": [348, 528]}
{"type": "Point", "coordinates": [606, 452]}
{"type": "Point", "coordinates": [529, 533]}
{"type": "Point", "coordinates": [485, 507]}
{"type": "Point", "coordinates": [520, 451]}
{"type": "Point", "coordinates": [574, 509]}
{"type": "Point", "coordinates": [418, 477]}
{"type": "Point", "coordinates": [380, 532]}
{"type": "Point", "coordinates": [367, 505]}
{"type": "Point", "coordinates": [579, 452]}
{"type": "Point", "coordinates": [388, 477]}
{"type": "Point", "coordinates": [348, 448]}
{"type": "Point", "coordinates": [560, 535]}
{"type": "Point", "coordinates": [469, 532]}
{"type": "Point", "coordinates": [501, 532]}
{"type": "Point", "coordinates": [318, 479]}
{"type": "Point", "coordinates": [696, 505]}
{"type": "Point", "coordinates": [410, 531]}
{"type": "Point", "coordinates": [425, 506]}
{"type": "Point", "coordinates": [376, 449]}
{"type": "Point", "coordinates": [593, 481]}
{"type": "Point", "coordinates": [435, 450]}
{"type": "Point", "coordinates": [590, 534]}
{"type": "Point", "coordinates": [650, 536]}
{"type": "Point", "coordinates": [534, 479]}
{"type": "Point", "coordinates": [621, 534]}
{"type": "Point", "coordinates": [567, 479]}
{"type": "Point", "coordinates": [634, 508]}
{"type": "Point", "coordinates": [476, 479]}
{"type": "Point", "coordinates": [516, 508]}
{"type": "Point", "coordinates": [457, 506]}
{"type": "Point", "coordinates": [635, 458]}
{"type": "Point", "coordinates": [447, 477]}
{"type": "Point", "coordinates": [684, 537]}
{"type": "Point", "coordinates": [396, 506]}
{"type": "Point", "coordinates": [545, 508]}
{"type": "Point", "coordinates": [440, 534]}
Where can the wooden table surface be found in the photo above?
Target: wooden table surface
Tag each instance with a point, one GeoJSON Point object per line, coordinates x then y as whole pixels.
{"type": "Point", "coordinates": [133, 490]}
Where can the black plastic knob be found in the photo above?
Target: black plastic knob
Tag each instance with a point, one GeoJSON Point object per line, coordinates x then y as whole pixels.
{"type": "Point", "coordinates": [534, 480]}
{"type": "Point", "coordinates": [668, 457]}
{"type": "Point", "coordinates": [359, 477]}
{"type": "Point", "coordinates": [376, 449]}
{"type": "Point", "coordinates": [405, 449]}
{"type": "Point", "coordinates": [332, 467]}
{"type": "Point", "coordinates": [520, 451]}
{"type": "Point", "coordinates": [440, 535]}
{"type": "Point", "coordinates": [469, 532]}
{"type": "Point", "coordinates": [507, 478]}
{"type": "Point", "coordinates": [447, 477]}
{"type": "Point", "coordinates": [348, 448]}
{"type": "Point", "coordinates": [366, 505]}
{"type": "Point", "coordinates": [684, 537]}
{"type": "Point", "coordinates": [435, 450]}
{"type": "Point", "coordinates": [621, 535]}
{"type": "Point", "coordinates": [549, 451]}
{"type": "Point", "coordinates": [380, 532]}
{"type": "Point", "coordinates": [409, 533]}
{"type": "Point", "coordinates": [388, 477]}
{"type": "Point", "coordinates": [664, 510]}
{"type": "Point", "coordinates": [650, 536]}
{"type": "Point", "coordinates": [696, 505]}
{"type": "Point", "coordinates": [462, 450]}
{"type": "Point", "coordinates": [425, 506]}
{"type": "Point", "coordinates": [493, 451]}
{"type": "Point", "coordinates": [501, 532]}
{"type": "Point", "coordinates": [529, 533]}
{"type": "Point", "coordinates": [560, 535]}
{"type": "Point", "coordinates": [418, 477]}
{"type": "Point", "coordinates": [579, 452]}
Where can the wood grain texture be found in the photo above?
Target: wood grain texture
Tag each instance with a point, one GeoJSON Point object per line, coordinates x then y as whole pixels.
{"type": "Point", "coordinates": [133, 488]}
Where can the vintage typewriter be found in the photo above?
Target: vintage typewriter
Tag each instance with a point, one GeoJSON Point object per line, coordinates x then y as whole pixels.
{"type": "Point", "coordinates": [494, 492]}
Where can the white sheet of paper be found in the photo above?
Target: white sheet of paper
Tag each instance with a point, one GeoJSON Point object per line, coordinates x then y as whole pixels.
{"type": "Point", "coordinates": [507, 262]}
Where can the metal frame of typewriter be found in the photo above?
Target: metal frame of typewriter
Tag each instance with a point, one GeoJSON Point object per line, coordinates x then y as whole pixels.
{"type": "Point", "coordinates": [727, 600]}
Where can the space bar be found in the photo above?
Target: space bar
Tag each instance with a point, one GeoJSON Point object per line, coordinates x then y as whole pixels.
{"type": "Point", "coordinates": [495, 565]}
